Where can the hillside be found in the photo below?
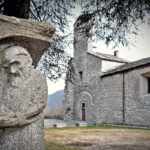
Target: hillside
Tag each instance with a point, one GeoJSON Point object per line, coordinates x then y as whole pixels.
{"type": "Point", "coordinates": [55, 99]}
{"type": "Point", "coordinates": [54, 108]}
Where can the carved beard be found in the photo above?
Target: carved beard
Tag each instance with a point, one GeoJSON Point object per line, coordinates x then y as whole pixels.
{"type": "Point", "coordinates": [15, 81]}
{"type": "Point", "coordinates": [12, 92]}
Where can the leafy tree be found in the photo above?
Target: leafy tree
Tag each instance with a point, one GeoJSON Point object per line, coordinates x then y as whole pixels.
{"type": "Point", "coordinates": [54, 62]}
{"type": "Point", "coordinates": [114, 21]}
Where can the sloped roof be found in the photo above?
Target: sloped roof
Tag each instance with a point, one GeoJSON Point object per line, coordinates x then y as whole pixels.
{"type": "Point", "coordinates": [108, 57]}
{"type": "Point", "coordinates": [132, 65]}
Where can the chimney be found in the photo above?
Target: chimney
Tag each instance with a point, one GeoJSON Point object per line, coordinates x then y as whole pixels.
{"type": "Point", "coordinates": [116, 53]}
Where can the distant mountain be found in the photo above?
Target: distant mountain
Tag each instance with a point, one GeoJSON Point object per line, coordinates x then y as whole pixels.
{"type": "Point", "coordinates": [55, 99]}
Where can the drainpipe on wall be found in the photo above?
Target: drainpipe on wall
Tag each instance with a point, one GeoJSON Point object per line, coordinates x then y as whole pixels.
{"type": "Point", "coordinates": [123, 99]}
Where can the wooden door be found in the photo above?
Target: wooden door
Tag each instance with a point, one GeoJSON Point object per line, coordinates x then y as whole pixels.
{"type": "Point", "coordinates": [83, 111]}
{"type": "Point", "coordinates": [83, 114]}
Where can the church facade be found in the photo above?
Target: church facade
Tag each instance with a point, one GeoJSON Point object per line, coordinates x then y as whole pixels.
{"type": "Point", "coordinates": [106, 88]}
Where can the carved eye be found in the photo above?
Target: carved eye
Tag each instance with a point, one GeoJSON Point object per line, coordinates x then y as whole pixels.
{"type": "Point", "coordinates": [15, 63]}
{"type": "Point", "coordinates": [5, 64]}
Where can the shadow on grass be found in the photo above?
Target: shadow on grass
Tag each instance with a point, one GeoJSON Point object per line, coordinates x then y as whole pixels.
{"type": "Point", "coordinates": [80, 144]}
{"type": "Point", "coordinates": [54, 146]}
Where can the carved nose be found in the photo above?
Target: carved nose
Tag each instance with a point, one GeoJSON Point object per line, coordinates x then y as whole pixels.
{"type": "Point", "coordinates": [13, 70]}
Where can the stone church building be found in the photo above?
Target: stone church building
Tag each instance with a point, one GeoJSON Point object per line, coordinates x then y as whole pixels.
{"type": "Point", "coordinates": [106, 88]}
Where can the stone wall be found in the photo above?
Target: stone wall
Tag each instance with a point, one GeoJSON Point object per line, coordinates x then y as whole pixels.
{"type": "Point", "coordinates": [68, 101]}
{"type": "Point", "coordinates": [89, 84]}
{"type": "Point", "coordinates": [125, 104]}
{"type": "Point", "coordinates": [110, 105]}
{"type": "Point", "coordinates": [68, 97]}
{"type": "Point", "coordinates": [137, 104]}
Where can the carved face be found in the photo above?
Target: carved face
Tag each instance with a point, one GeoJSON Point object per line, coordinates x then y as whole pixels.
{"type": "Point", "coordinates": [16, 59]}
{"type": "Point", "coordinates": [12, 66]}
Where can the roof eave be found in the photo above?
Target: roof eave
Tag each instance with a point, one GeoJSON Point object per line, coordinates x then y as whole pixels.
{"type": "Point", "coordinates": [107, 59]}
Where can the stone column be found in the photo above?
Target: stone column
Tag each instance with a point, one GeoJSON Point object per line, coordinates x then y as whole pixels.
{"type": "Point", "coordinates": [23, 90]}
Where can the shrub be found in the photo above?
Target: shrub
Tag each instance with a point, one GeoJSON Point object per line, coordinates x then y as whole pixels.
{"type": "Point", "coordinates": [99, 123]}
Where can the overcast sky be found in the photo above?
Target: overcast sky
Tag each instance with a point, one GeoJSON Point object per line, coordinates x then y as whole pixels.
{"type": "Point", "coordinates": [139, 51]}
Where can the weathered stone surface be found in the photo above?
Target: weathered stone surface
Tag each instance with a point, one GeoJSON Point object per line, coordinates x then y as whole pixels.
{"type": "Point", "coordinates": [23, 93]}
{"type": "Point", "coordinates": [68, 103]}
{"type": "Point", "coordinates": [68, 97]}
{"type": "Point", "coordinates": [35, 36]}
{"type": "Point", "coordinates": [29, 137]}
{"type": "Point", "coordinates": [137, 103]}
{"type": "Point", "coordinates": [126, 97]}
{"type": "Point", "coordinates": [111, 103]}
{"type": "Point", "coordinates": [23, 90]}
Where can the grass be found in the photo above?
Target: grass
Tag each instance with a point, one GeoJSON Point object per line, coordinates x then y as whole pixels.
{"type": "Point", "coordinates": [98, 127]}
{"type": "Point", "coordinates": [55, 146]}
{"type": "Point", "coordinates": [75, 138]}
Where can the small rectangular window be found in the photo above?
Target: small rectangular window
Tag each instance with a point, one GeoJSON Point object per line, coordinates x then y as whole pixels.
{"type": "Point", "coordinates": [80, 73]}
{"type": "Point", "coordinates": [83, 105]}
{"type": "Point", "coordinates": [148, 85]}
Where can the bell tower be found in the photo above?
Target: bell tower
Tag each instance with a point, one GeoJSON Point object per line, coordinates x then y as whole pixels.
{"type": "Point", "coordinates": [82, 40]}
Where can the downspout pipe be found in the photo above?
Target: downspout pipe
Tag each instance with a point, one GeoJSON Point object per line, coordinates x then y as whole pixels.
{"type": "Point", "coordinates": [123, 99]}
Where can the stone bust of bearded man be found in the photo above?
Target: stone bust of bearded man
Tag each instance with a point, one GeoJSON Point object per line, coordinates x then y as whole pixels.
{"type": "Point", "coordinates": [23, 90]}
